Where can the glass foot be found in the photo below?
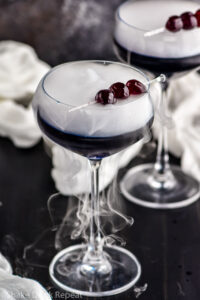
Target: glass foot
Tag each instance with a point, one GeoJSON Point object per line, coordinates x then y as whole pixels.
{"type": "Point", "coordinates": [66, 272]}
{"type": "Point", "coordinates": [139, 186]}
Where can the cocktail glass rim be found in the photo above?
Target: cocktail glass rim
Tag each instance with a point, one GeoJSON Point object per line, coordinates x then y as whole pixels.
{"type": "Point", "coordinates": [111, 107]}
{"type": "Point", "coordinates": [119, 17]}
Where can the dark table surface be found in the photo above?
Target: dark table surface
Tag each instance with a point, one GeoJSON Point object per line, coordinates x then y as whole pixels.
{"type": "Point", "coordinates": [167, 243]}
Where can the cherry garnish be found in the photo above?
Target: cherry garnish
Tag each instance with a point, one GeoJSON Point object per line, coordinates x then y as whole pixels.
{"type": "Point", "coordinates": [186, 21]}
{"type": "Point", "coordinates": [189, 20]}
{"type": "Point", "coordinates": [119, 90]}
{"type": "Point", "coordinates": [174, 24]}
{"type": "Point", "coordinates": [135, 87]}
{"type": "Point", "coordinates": [105, 97]}
{"type": "Point", "coordinates": [197, 15]}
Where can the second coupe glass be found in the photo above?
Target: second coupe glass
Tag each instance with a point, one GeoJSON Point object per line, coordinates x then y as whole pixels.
{"type": "Point", "coordinates": [159, 185]}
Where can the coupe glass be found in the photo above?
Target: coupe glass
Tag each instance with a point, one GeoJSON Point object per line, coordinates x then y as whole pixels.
{"type": "Point", "coordinates": [94, 131]}
{"type": "Point", "coordinates": [158, 185]}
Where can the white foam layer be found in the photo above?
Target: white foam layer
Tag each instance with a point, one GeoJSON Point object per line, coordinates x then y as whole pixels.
{"type": "Point", "coordinates": [142, 16]}
{"type": "Point", "coordinates": [76, 84]}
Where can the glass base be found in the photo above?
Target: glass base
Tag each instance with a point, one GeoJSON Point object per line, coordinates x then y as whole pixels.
{"type": "Point", "coordinates": [139, 186]}
{"type": "Point", "coordinates": [65, 272]}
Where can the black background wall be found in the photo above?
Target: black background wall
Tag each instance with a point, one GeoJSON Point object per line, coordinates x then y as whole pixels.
{"type": "Point", "coordinates": [61, 30]}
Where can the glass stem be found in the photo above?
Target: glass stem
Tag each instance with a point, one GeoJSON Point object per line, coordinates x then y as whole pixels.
{"type": "Point", "coordinates": [95, 260]}
{"type": "Point", "coordinates": [163, 176]}
{"type": "Point", "coordinates": [95, 243]}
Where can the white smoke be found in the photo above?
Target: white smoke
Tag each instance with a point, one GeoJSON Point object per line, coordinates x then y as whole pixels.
{"type": "Point", "coordinates": [77, 218]}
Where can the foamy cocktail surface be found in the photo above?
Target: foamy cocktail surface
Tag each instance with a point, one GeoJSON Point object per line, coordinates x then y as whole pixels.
{"type": "Point", "coordinates": [73, 84]}
{"type": "Point", "coordinates": [134, 18]}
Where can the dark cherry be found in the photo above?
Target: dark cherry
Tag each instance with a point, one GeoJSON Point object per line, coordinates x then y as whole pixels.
{"type": "Point", "coordinates": [197, 15]}
{"type": "Point", "coordinates": [105, 97]}
{"type": "Point", "coordinates": [189, 20]}
{"type": "Point", "coordinates": [119, 90]}
{"type": "Point", "coordinates": [174, 24]}
{"type": "Point", "coordinates": [135, 87]}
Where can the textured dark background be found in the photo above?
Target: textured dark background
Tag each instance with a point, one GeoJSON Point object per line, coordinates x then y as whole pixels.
{"type": "Point", "coordinates": [61, 30]}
